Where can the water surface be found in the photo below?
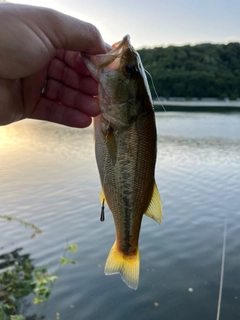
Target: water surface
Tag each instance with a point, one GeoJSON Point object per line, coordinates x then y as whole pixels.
{"type": "Point", "coordinates": [49, 177]}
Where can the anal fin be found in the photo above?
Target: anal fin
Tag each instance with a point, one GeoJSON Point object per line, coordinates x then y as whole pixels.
{"type": "Point", "coordinates": [154, 209]}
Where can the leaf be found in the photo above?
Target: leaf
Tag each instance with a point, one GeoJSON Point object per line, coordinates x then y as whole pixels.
{"type": "Point", "coordinates": [72, 247]}
{"type": "Point", "coordinates": [53, 278]}
{"type": "Point", "coordinates": [63, 260]}
{"type": "Point", "coordinates": [17, 317]}
{"type": "Point", "coordinates": [38, 300]}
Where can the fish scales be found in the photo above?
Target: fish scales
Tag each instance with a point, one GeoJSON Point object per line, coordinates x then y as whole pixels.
{"type": "Point", "coordinates": [125, 147]}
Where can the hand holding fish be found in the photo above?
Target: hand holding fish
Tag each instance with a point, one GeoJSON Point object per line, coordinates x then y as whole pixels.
{"type": "Point", "coordinates": [41, 48]}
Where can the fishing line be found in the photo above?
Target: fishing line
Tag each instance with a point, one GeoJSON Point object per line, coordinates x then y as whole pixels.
{"type": "Point", "coordinates": [222, 268]}
{"type": "Point", "coordinates": [154, 88]}
{"type": "Point", "coordinates": [225, 226]}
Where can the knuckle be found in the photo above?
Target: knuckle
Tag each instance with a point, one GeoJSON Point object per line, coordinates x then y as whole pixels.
{"type": "Point", "coordinates": [95, 34]}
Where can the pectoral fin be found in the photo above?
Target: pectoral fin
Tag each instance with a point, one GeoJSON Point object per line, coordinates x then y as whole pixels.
{"type": "Point", "coordinates": [154, 209]}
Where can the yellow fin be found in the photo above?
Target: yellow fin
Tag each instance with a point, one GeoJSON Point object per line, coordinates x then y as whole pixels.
{"type": "Point", "coordinates": [102, 197]}
{"type": "Point", "coordinates": [154, 209]}
{"type": "Point", "coordinates": [127, 266]}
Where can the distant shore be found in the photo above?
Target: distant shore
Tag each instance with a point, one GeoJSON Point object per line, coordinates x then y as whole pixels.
{"type": "Point", "coordinates": [195, 105]}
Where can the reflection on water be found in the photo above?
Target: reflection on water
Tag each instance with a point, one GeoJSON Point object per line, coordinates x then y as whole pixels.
{"type": "Point", "coordinates": [49, 177]}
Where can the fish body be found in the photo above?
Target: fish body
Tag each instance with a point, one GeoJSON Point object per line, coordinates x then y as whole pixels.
{"type": "Point", "coordinates": [125, 147]}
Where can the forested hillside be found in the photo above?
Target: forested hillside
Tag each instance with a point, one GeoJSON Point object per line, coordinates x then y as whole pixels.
{"type": "Point", "coordinates": [204, 70]}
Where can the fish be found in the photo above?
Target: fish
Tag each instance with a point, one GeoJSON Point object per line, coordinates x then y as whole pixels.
{"type": "Point", "coordinates": [125, 149]}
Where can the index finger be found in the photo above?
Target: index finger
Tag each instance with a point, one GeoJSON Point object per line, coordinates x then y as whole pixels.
{"type": "Point", "coordinates": [73, 59]}
{"type": "Point", "coordinates": [75, 35]}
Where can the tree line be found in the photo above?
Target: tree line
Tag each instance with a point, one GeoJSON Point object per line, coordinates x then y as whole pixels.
{"type": "Point", "coordinates": [203, 70]}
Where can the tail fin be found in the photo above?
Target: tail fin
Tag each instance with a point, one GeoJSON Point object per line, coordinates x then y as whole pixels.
{"type": "Point", "coordinates": [127, 266]}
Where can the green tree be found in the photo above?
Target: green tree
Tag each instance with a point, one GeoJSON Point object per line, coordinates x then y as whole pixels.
{"type": "Point", "coordinates": [204, 70]}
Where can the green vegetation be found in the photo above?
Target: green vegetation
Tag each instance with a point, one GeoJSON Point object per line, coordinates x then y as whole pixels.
{"type": "Point", "coordinates": [24, 223]}
{"type": "Point", "coordinates": [204, 70]}
{"type": "Point", "coordinates": [20, 279]}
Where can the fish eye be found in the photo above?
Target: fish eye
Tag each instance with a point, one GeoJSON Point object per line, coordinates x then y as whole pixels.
{"type": "Point", "coordinates": [131, 69]}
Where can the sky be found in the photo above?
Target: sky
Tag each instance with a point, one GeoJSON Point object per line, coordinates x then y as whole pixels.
{"type": "Point", "coordinates": [155, 23]}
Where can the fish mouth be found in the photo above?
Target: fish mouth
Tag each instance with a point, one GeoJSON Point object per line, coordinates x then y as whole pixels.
{"type": "Point", "coordinates": [105, 59]}
{"type": "Point", "coordinates": [111, 60]}
{"type": "Point", "coordinates": [121, 46]}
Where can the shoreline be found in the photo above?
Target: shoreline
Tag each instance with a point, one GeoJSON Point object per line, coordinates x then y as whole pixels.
{"type": "Point", "coordinates": [197, 105]}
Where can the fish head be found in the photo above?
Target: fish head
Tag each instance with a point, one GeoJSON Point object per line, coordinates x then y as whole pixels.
{"type": "Point", "coordinates": [123, 88]}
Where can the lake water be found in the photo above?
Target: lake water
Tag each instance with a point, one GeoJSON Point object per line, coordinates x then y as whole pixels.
{"type": "Point", "coordinates": [49, 177]}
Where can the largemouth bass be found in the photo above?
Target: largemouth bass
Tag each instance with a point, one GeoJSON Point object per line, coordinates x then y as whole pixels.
{"type": "Point", "coordinates": [125, 146]}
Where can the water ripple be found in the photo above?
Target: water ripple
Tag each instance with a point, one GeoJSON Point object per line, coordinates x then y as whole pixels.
{"type": "Point", "coordinates": [49, 177]}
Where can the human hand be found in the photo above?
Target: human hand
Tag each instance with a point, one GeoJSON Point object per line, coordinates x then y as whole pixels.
{"type": "Point", "coordinates": [38, 44]}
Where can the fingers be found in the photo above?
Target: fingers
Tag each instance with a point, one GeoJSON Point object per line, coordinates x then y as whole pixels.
{"type": "Point", "coordinates": [72, 34]}
{"type": "Point", "coordinates": [52, 111]}
{"type": "Point", "coordinates": [74, 60]}
{"type": "Point", "coordinates": [61, 72]}
{"type": "Point", "coordinates": [57, 91]}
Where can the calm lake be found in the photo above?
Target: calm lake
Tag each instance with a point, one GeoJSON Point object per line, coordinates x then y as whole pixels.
{"type": "Point", "coordinates": [48, 176]}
